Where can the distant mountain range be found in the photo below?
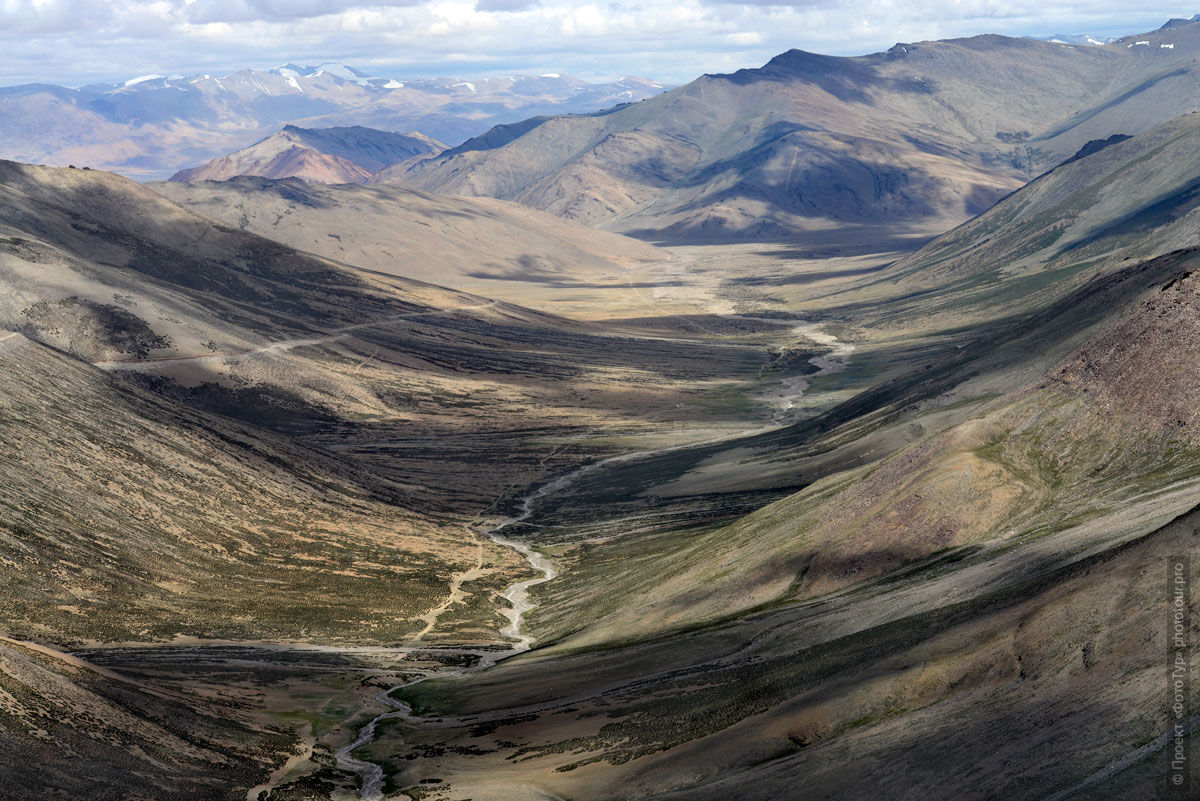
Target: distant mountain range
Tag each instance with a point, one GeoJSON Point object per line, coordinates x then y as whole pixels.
{"type": "Point", "coordinates": [1094, 39]}
{"type": "Point", "coordinates": [1074, 38]}
{"type": "Point", "coordinates": [152, 125]}
{"type": "Point", "coordinates": [923, 135]}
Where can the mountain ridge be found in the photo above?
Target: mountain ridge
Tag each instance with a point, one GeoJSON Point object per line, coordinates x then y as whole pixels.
{"type": "Point", "coordinates": [926, 133]}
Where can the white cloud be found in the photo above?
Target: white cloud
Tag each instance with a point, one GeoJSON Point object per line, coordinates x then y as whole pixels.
{"type": "Point", "coordinates": [586, 20]}
{"type": "Point", "coordinates": [744, 38]}
{"type": "Point", "coordinates": [78, 41]}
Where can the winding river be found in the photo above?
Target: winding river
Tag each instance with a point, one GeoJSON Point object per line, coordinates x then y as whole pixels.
{"type": "Point", "coordinates": [783, 400]}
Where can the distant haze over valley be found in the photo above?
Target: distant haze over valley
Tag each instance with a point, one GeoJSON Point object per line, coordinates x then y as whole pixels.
{"type": "Point", "coordinates": [150, 126]}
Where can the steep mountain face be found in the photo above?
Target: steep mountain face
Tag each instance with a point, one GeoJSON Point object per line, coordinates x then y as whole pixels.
{"type": "Point", "coordinates": [316, 155]}
{"type": "Point", "coordinates": [924, 133]}
{"type": "Point", "coordinates": [452, 241]}
{"type": "Point", "coordinates": [152, 126]}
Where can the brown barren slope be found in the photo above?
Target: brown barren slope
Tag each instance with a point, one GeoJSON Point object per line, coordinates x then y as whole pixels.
{"type": "Point", "coordinates": [922, 133]}
{"type": "Point", "coordinates": [489, 246]}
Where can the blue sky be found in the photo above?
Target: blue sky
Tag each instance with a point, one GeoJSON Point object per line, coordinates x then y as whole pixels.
{"type": "Point", "coordinates": [74, 42]}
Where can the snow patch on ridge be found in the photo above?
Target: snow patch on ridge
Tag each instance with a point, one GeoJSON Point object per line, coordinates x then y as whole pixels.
{"type": "Point", "coordinates": [140, 79]}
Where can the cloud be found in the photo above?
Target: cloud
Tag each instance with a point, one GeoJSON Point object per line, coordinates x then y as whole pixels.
{"type": "Point", "coordinates": [79, 41]}
{"type": "Point", "coordinates": [204, 11]}
{"type": "Point", "coordinates": [505, 5]}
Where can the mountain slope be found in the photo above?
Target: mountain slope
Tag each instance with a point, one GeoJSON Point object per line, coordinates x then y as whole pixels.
{"type": "Point", "coordinates": [1103, 445]}
{"type": "Point", "coordinates": [104, 271]}
{"type": "Point", "coordinates": [86, 249]}
{"type": "Point", "coordinates": [227, 464]}
{"type": "Point", "coordinates": [484, 243]}
{"type": "Point", "coordinates": [1046, 680]}
{"type": "Point", "coordinates": [990, 589]}
{"type": "Point", "coordinates": [923, 134]}
{"type": "Point", "coordinates": [972, 331]}
{"type": "Point", "coordinates": [406, 381]}
{"type": "Point", "coordinates": [1132, 198]}
{"type": "Point", "coordinates": [383, 369]}
{"type": "Point", "coordinates": [189, 524]}
{"type": "Point", "coordinates": [71, 729]}
{"type": "Point", "coordinates": [316, 155]}
{"type": "Point", "coordinates": [980, 311]}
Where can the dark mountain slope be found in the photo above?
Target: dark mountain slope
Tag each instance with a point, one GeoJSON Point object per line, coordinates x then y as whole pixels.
{"type": "Point", "coordinates": [73, 730]}
{"type": "Point", "coordinates": [1033, 676]}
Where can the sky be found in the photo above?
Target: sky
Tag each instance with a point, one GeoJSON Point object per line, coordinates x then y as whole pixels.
{"type": "Point", "coordinates": [74, 42]}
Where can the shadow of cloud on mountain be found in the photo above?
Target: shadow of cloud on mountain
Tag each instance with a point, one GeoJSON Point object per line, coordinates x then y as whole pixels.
{"type": "Point", "coordinates": [795, 171]}
{"type": "Point", "coordinates": [534, 270]}
{"type": "Point", "coordinates": [756, 156]}
{"type": "Point", "coordinates": [846, 79]}
{"type": "Point", "coordinates": [712, 323]}
{"type": "Point", "coordinates": [804, 278]}
{"type": "Point", "coordinates": [567, 283]}
{"type": "Point", "coordinates": [1161, 212]}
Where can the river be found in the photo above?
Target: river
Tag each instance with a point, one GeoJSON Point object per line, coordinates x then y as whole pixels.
{"type": "Point", "coordinates": [783, 400]}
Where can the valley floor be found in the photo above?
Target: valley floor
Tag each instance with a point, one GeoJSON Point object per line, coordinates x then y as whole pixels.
{"type": "Point", "coordinates": [747, 300]}
{"type": "Point", "coordinates": [624, 528]}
